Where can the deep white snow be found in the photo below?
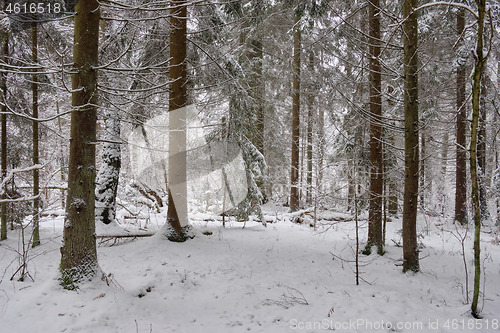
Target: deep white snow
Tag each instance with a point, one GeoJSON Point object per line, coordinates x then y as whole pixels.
{"type": "Point", "coordinates": [283, 278]}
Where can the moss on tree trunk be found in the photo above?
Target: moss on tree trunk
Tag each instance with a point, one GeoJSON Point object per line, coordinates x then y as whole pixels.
{"type": "Point", "coordinates": [376, 156]}
{"type": "Point", "coordinates": [78, 253]}
{"type": "Point", "coordinates": [410, 32]}
{"type": "Point", "coordinates": [476, 205]}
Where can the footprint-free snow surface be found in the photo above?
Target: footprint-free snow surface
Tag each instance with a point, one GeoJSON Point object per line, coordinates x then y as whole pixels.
{"type": "Point", "coordinates": [285, 277]}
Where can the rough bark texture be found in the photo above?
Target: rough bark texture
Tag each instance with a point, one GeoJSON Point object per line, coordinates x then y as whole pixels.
{"type": "Point", "coordinates": [461, 153]}
{"type": "Point", "coordinates": [321, 143]}
{"type": "Point", "coordinates": [294, 177]}
{"type": "Point", "coordinates": [423, 153]}
{"type": "Point", "coordinates": [376, 153]}
{"type": "Point", "coordinates": [177, 100]}
{"type": "Point", "coordinates": [444, 172]}
{"type": "Point", "coordinates": [410, 33]}
{"type": "Point", "coordinates": [497, 153]}
{"type": "Point", "coordinates": [257, 47]}
{"type": "Point", "coordinates": [78, 253]}
{"type": "Point", "coordinates": [310, 121]}
{"type": "Point", "coordinates": [351, 189]}
{"type": "Point", "coordinates": [3, 82]}
{"type": "Point", "coordinates": [257, 91]}
{"type": "Point", "coordinates": [390, 161]}
{"type": "Point", "coordinates": [476, 206]}
{"type": "Point", "coordinates": [36, 180]}
{"type": "Point", "coordinates": [109, 173]}
{"type": "Point", "coordinates": [481, 150]}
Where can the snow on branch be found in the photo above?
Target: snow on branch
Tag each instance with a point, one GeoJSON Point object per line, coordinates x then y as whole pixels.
{"type": "Point", "coordinates": [21, 199]}
{"type": "Point", "coordinates": [447, 3]}
{"type": "Point", "coordinates": [10, 176]}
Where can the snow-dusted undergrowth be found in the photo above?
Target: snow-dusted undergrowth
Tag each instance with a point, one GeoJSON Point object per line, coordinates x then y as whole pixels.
{"type": "Point", "coordinates": [283, 278]}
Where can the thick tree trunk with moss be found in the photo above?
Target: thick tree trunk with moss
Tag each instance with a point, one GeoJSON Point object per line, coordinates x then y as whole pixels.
{"type": "Point", "coordinates": [480, 62]}
{"type": "Point", "coordinates": [3, 82]}
{"type": "Point", "coordinates": [294, 177]}
{"type": "Point", "coordinates": [461, 154]}
{"type": "Point", "coordinates": [78, 253]}
{"type": "Point", "coordinates": [410, 33]}
{"type": "Point", "coordinates": [177, 227]}
{"type": "Point", "coordinates": [376, 153]}
{"type": "Point", "coordinates": [36, 180]}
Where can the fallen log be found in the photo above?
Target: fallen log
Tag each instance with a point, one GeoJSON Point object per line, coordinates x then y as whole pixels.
{"type": "Point", "coordinates": [124, 236]}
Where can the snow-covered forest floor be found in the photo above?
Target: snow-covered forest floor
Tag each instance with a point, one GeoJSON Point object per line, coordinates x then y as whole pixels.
{"type": "Point", "coordinates": [283, 278]}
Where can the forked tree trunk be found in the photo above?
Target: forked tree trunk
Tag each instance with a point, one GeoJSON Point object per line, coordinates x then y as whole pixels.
{"type": "Point", "coordinates": [410, 33]}
{"type": "Point", "coordinates": [479, 65]}
{"type": "Point", "coordinates": [294, 177]}
{"type": "Point", "coordinates": [376, 153]}
{"type": "Point", "coordinates": [78, 253]}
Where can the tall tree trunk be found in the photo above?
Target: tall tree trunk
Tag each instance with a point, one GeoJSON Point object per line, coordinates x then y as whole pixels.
{"type": "Point", "coordinates": [36, 180]}
{"type": "Point", "coordinates": [177, 200]}
{"type": "Point", "coordinates": [461, 159]}
{"type": "Point", "coordinates": [259, 97]}
{"type": "Point", "coordinates": [479, 66]}
{"type": "Point", "coordinates": [321, 149]}
{"type": "Point", "coordinates": [4, 205]}
{"type": "Point", "coordinates": [294, 177]}
{"type": "Point", "coordinates": [310, 121]}
{"type": "Point", "coordinates": [376, 153]}
{"type": "Point", "coordinates": [391, 160]}
{"type": "Point", "coordinates": [257, 90]}
{"type": "Point", "coordinates": [481, 150]}
{"type": "Point", "coordinates": [78, 253]}
{"type": "Point", "coordinates": [351, 187]}
{"type": "Point", "coordinates": [497, 162]}
{"type": "Point", "coordinates": [444, 171]}
{"type": "Point", "coordinates": [62, 154]}
{"type": "Point", "coordinates": [321, 143]}
{"type": "Point", "coordinates": [410, 32]}
{"type": "Point", "coordinates": [109, 173]}
{"type": "Point", "coordinates": [423, 153]}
